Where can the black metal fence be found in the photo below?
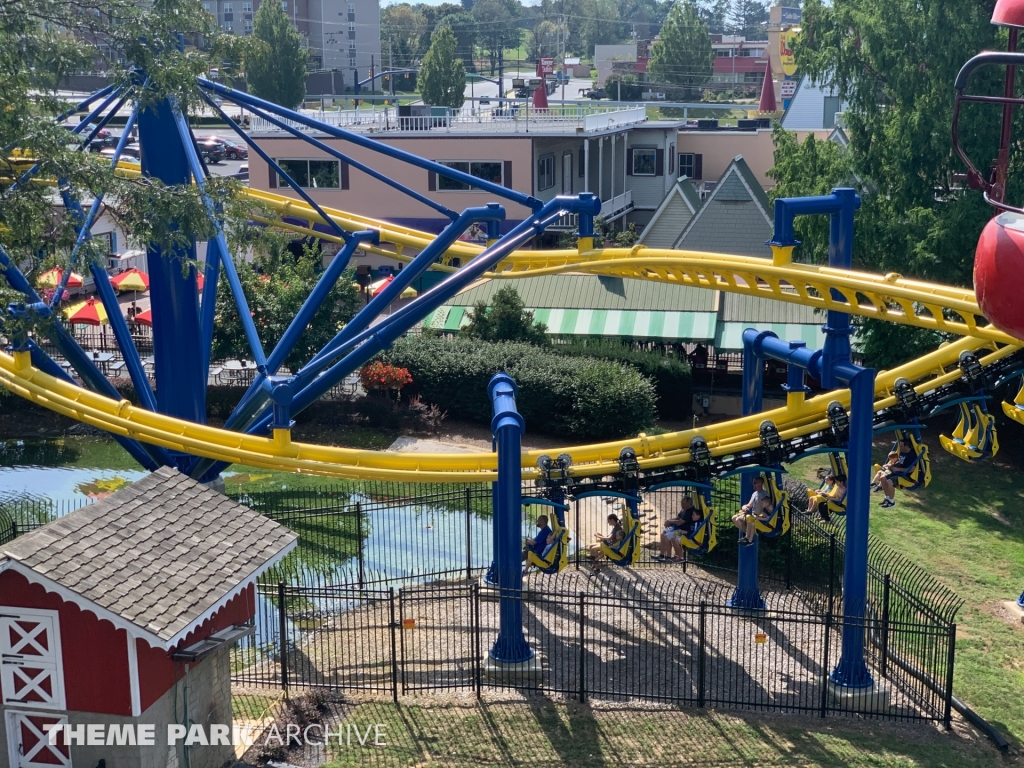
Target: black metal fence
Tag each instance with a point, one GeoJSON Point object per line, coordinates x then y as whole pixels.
{"type": "Point", "coordinates": [683, 645]}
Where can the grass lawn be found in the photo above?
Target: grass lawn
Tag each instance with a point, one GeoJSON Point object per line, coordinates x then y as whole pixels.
{"type": "Point", "coordinates": [544, 733]}
{"type": "Point", "coordinates": [967, 530]}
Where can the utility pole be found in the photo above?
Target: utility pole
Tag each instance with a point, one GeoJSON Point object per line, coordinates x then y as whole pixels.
{"type": "Point", "coordinates": [563, 31]}
{"type": "Point", "coordinates": [501, 70]}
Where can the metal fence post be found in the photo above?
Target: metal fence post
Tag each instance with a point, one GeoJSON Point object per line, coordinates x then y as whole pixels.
{"type": "Point", "coordinates": [282, 629]}
{"type": "Point", "coordinates": [825, 665]}
{"type": "Point", "coordinates": [885, 625]}
{"type": "Point", "coordinates": [701, 652]}
{"type": "Point", "coordinates": [789, 560]}
{"type": "Point", "coordinates": [477, 644]}
{"type": "Point", "coordinates": [469, 536]}
{"type": "Point", "coordinates": [950, 661]}
{"type": "Point", "coordinates": [394, 646]}
{"type": "Point", "coordinates": [583, 654]}
{"type": "Point", "coordinates": [579, 540]}
{"type": "Point", "coordinates": [359, 540]}
{"type": "Point", "coordinates": [831, 570]}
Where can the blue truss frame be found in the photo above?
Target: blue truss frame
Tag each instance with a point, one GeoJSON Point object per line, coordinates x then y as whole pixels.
{"type": "Point", "coordinates": [271, 400]}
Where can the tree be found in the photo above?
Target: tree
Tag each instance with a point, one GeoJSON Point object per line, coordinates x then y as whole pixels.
{"type": "Point", "coordinates": [917, 219]}
{"type": "Point", "coordinates": [602, 25]}
{"type": "Point", "coordinates": [716, 15]}
{"type": "Point", "coordinates": [683, 55]}
{"type": "Point", "coordinates": [40, 42]}
{"type": "Point", "coordinates": [276, 284]}
{"type": "Point", "coordinates": [494, 20]}
{"type": "Point", "coordinates": [463, 26]}
{"type": "Point", "coordinates": [507, 320]}
{"type": "Point", "coordinates": [404, 29]}
{"type": "Point", "coordinates": [545, 39]}
{"type": "Point", "coordinates": [275, 70]}
{"type": "Point", "coordinates": [748, 18]}
{"type": "Point", "coordinates": [442, 76]}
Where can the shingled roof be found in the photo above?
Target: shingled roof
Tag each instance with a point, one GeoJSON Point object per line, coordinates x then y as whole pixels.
{"type": "Point", "coordinates": [157, 558]}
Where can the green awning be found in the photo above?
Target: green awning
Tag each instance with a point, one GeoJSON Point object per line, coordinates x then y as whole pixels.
{"type": "Point", "coordinates": [729, 336]}
{"type": "Point", "coordinates": [662, 326]}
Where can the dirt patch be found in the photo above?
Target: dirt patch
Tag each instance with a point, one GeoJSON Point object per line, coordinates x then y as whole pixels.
{"type": "Point", "coordinates": [1007, 611]}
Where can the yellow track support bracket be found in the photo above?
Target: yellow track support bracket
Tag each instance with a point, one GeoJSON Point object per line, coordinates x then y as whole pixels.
{"type": "Point", "coordinates": [782, 255]}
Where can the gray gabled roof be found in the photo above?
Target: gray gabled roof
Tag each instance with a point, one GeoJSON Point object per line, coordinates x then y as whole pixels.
{"type": "Point", "coordinates": [157, 558]}
{"type": "Point", "coordinates": [736, 217]}
{"type": "Point", "coordinates": [672, 216]}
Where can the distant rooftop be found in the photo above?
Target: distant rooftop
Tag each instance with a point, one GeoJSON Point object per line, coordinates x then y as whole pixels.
{"type": "Point", "coordinates": [508, 118]}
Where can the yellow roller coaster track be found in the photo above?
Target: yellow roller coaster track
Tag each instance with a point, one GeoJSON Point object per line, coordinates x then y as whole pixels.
{"type": "Point", "coordinates": [889, 297]}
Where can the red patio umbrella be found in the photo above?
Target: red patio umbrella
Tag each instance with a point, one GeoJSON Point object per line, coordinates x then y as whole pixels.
{"type": "Point", "coordinates": [145, 318]}
{"type": "Point", "coordinates": [51, 279]}
{"type": "Point", "coordinates": [767, 104]}
{"type": "Point", "coordinates": [90, 312]}
{"type": "Point", "coordinates": [131, 280]}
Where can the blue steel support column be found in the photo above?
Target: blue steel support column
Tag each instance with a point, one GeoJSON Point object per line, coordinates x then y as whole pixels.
{"type": "Point", "coordinates": [747, 594]}
{"type": "Point", "coordinates": [180, 376]}
{"type": "Point", "coordinates": [1020, 600]}
{"type": "Point", "coordinates": [507, 429]}
{"type": "Point", "coordinates": [852, 671]}
{"type": "Point", "coordinates": [840, 256]}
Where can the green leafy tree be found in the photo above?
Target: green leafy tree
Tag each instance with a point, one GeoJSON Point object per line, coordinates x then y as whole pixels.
{"type": "Point", "coordinates": [683, 55]}
{"type": "Point", "coordinates": [402, 32]}
{"type": "Point", "coordinates": [41, 41]}
{"type": "Point", "coordinates": [276, 284]}
{"type": "Point", "coordinates": [716, 14]}
{"type": "Point", "coordinates": [506, 320]}
{"type": "Point", "coordinates": [464, 27]}
{"type": "Point", "coordinates": [602, 25]}
{"type": "Point", "coordinates": [545, 39]}
{"type": "Point", "coordinates": [276, 68]}
{"type": "Point", "coordinates": [748, 18]}
{"type": "Point", "coordinates": [895, 65]}
{"type": "Point", "coordinates": [442, 76]}
{"type": "Point", "coordinates": [494, 20]}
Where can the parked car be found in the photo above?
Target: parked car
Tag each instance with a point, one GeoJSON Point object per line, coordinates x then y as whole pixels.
{"type": "Point", "coordinates": [107, 142]}
{"type": "Point", "coordinates": [103, 133]}
{"type": "Point", "coordinates": [212, 150]}
{"type": "Point", "coordinates": [232, 149]}
{"type": "Point", "coordinates": [131, 153]}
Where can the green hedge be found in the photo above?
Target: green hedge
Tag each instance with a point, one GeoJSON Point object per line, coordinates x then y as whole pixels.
{"type": "Point", "coordinates": [581, 397]}
{"type": "Point", "coordinates": [671, 375]}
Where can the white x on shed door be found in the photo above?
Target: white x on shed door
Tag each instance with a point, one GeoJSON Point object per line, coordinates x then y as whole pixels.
{"type": "Point", "coordinates": [30, 658]}
{"type": "Point", "coordinates": [28, 740]}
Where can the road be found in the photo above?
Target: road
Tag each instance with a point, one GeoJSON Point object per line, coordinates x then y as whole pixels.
{"type": "Point", "coordinates": [483, 89]}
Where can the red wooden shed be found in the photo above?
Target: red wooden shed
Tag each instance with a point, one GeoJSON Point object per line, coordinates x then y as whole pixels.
{"type": "Point", "coordinates": [107, 615]}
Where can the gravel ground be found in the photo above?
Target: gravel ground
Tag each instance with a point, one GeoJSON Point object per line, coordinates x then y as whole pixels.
{"type": "Point", "coordinates": [641, 634]}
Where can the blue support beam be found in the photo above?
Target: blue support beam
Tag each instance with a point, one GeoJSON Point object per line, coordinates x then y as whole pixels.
{"type": "Point", "coordinates": [747, 595]}
{"type": "Point", "coordinates": [507, 427]}
{"type": "Point", "coordinates": [174, 296]}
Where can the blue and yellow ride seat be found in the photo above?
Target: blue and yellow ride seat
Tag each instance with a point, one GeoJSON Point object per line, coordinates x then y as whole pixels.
{"type": "Point", "coordinates": [835, 502]}
{"type": "Point", "coordinates": [975, 436]}
{"type": "Point", "coordinates": [778, 523]}
{"type": "Point", "coordinates": [555, 555]}
{"type": "Point", "coordinates": [704, 536]}
{"type": "Point", "coordinates": [919, 473]}
{"type": "Point", "coordinates": [627, 551]}
{"type": "Point", "coordinates": [1015, 410]}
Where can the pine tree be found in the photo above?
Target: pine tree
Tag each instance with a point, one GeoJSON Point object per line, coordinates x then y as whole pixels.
{"type": "Point", "coordinates": [276, 68]}
{"type": "Point", "coordinates": [683, 55]}
{"type": "Point", "coordinates": [442, 76]}
{"type": "Point", "coordinates": [506, 320]}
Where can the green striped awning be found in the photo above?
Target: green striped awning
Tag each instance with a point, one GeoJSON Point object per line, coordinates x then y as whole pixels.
{"type": "Point", "coordinates": [729, 336]}
{"type": "Point", "coordinates": [640, 324]}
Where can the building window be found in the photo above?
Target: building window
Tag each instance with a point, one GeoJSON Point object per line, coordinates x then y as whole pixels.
{"type": "Point", "coordinates": [284, 5]}
{"type": "Point", "coordinates": [723, 53]}
{"type": "Point", "coordinates": [686, 164]}
{"type": "Point", "coordinates": [351, 48]}
{"type": "Point", "coordinates": [206, 7]}
{"type": "Point", "coordinates": [228, 27]}
{"type": "Point", "coordinates": [672, 158]}
{"type": "Point", "coordinates": [310, 174]}
{"type": "Point", "coordinates": [488, 170]}
{"type": "Point", "coordinates": [546, 172]}
{"type": "Point", "coordinates": [352, 27]}
{"type": "Point", "coordinates": [644, 162]}
{"type": "Point", "coordinates": [248, 26]}
{"type": "Point", "coordinates": [246, 7]}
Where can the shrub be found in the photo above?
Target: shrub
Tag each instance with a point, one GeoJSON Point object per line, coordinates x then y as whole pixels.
{"type": "Point", "coordinates": [671, 375]}
{"type": "Point", "coordinates": [581, 397]}
{"type": "Point", "coordinates": [507, 319]}
{"type": "Point", "coordinates": [381, 378]}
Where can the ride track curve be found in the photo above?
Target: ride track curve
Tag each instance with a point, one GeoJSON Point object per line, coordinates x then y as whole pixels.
{"type": "Point", "coordinates": [889, 297]}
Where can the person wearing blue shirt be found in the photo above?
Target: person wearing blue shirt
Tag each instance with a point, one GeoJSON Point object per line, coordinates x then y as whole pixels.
{"type": "Point", "coordinates": [539, 542]}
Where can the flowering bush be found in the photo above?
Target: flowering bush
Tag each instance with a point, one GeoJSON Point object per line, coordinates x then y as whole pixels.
{"type": "Point", "coordinates": [380, 378]}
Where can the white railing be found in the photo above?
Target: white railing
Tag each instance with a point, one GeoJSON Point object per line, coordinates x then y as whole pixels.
{"type": "Point", "coordinates": [617, 204]}
{"type": "Point", "coordinates": [510, 115]}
